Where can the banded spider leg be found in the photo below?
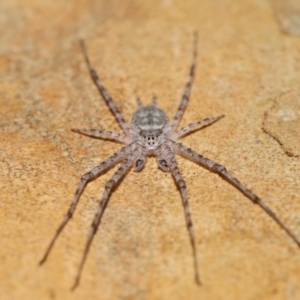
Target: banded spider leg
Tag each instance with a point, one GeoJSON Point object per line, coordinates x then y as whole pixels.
{"type": "Point", "coordinates": [150, 134]}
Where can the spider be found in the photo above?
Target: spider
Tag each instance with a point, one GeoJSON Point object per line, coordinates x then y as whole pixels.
{"type": "Point", "coordinates": [150, 134]}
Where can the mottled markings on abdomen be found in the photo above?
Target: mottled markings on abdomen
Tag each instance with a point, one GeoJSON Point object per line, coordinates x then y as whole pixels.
{"type": "Point", "coordinates": [149, 117]}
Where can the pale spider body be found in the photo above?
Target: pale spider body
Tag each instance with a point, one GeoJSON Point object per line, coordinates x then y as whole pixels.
{"type": "Point", "coordinates": [149, 128]}
{"type": "Point", "coordinates": [151, 134]}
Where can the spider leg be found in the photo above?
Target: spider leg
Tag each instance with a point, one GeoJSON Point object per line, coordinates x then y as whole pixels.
{"type": "Point", "coordinates": [139, 102]}
{"type": "Point", "coordinates": [139, 164]}
{"type": "Point", "coordinates": [162, 163]}
{"type": "Point", "coordinates": [187, 90]}
{"type": "Point", "coordinates": [221, 171]}
{"type": "Point", "coordinates": [169, 157]}
{"type": "Point", "coordinates": [104, 93]}
{"type": "Point", "coordinates": [124, 167]}
{"type": "Point", "coordinates": [195, 126]}
{"type": "Point", "coordinates": [103, 134]}
{"type": "Point", "coordinates": [117, 157]}
{"type": "Point", "coordinates": [154, 100]}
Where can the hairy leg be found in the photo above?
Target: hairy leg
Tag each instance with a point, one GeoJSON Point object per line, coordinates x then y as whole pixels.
{"type": "Point", "coordinates": [195, 126]}
{"type": "Point", "coordinates": [103, 134]}
{"type": "Point", "coordinates": [95, 172]}
{"type": "Point", "coordinates": [154, 100]}
{"type": "Point", "coordinates": [104, 93]}
{"type": "Point", "coordinates": [139, 102]}
{"type": "Point", "coordinates": [169, 157]}
{"type": "Point", "coordinates": [124, 167]}
{"type": "Point", "coordinates": [187, 90]}
{"type": "Point", "coordinates": [221, 171]}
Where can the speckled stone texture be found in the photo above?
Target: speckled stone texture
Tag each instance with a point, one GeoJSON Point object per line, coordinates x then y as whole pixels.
{"type": "Point", "coordinates": [282, 121]}
{"type": "Point", "coordinates": [142, 249]}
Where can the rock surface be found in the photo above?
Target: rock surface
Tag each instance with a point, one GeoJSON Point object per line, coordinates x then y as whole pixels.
{"type": "Point", "coordinates": [142, 250]}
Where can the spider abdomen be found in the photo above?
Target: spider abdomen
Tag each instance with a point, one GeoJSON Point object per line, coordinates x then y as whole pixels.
{"type": "Point", "coordinates": [149, 118]}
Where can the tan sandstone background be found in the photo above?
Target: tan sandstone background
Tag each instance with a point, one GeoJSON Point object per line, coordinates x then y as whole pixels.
{"type": "Point", "coordinates": [248, 57]}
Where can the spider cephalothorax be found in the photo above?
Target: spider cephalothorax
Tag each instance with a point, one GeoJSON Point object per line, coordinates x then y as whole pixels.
{"type": "Point", "coordinates": [151, 134]}
{"type": "Point", "coordinates": [151, 138]}
{"type": "Point", "coordinates": [149, 123]}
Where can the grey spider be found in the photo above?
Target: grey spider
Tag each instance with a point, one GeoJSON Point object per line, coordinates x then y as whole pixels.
{"type": "Point", "coordinates": [150, 134]}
